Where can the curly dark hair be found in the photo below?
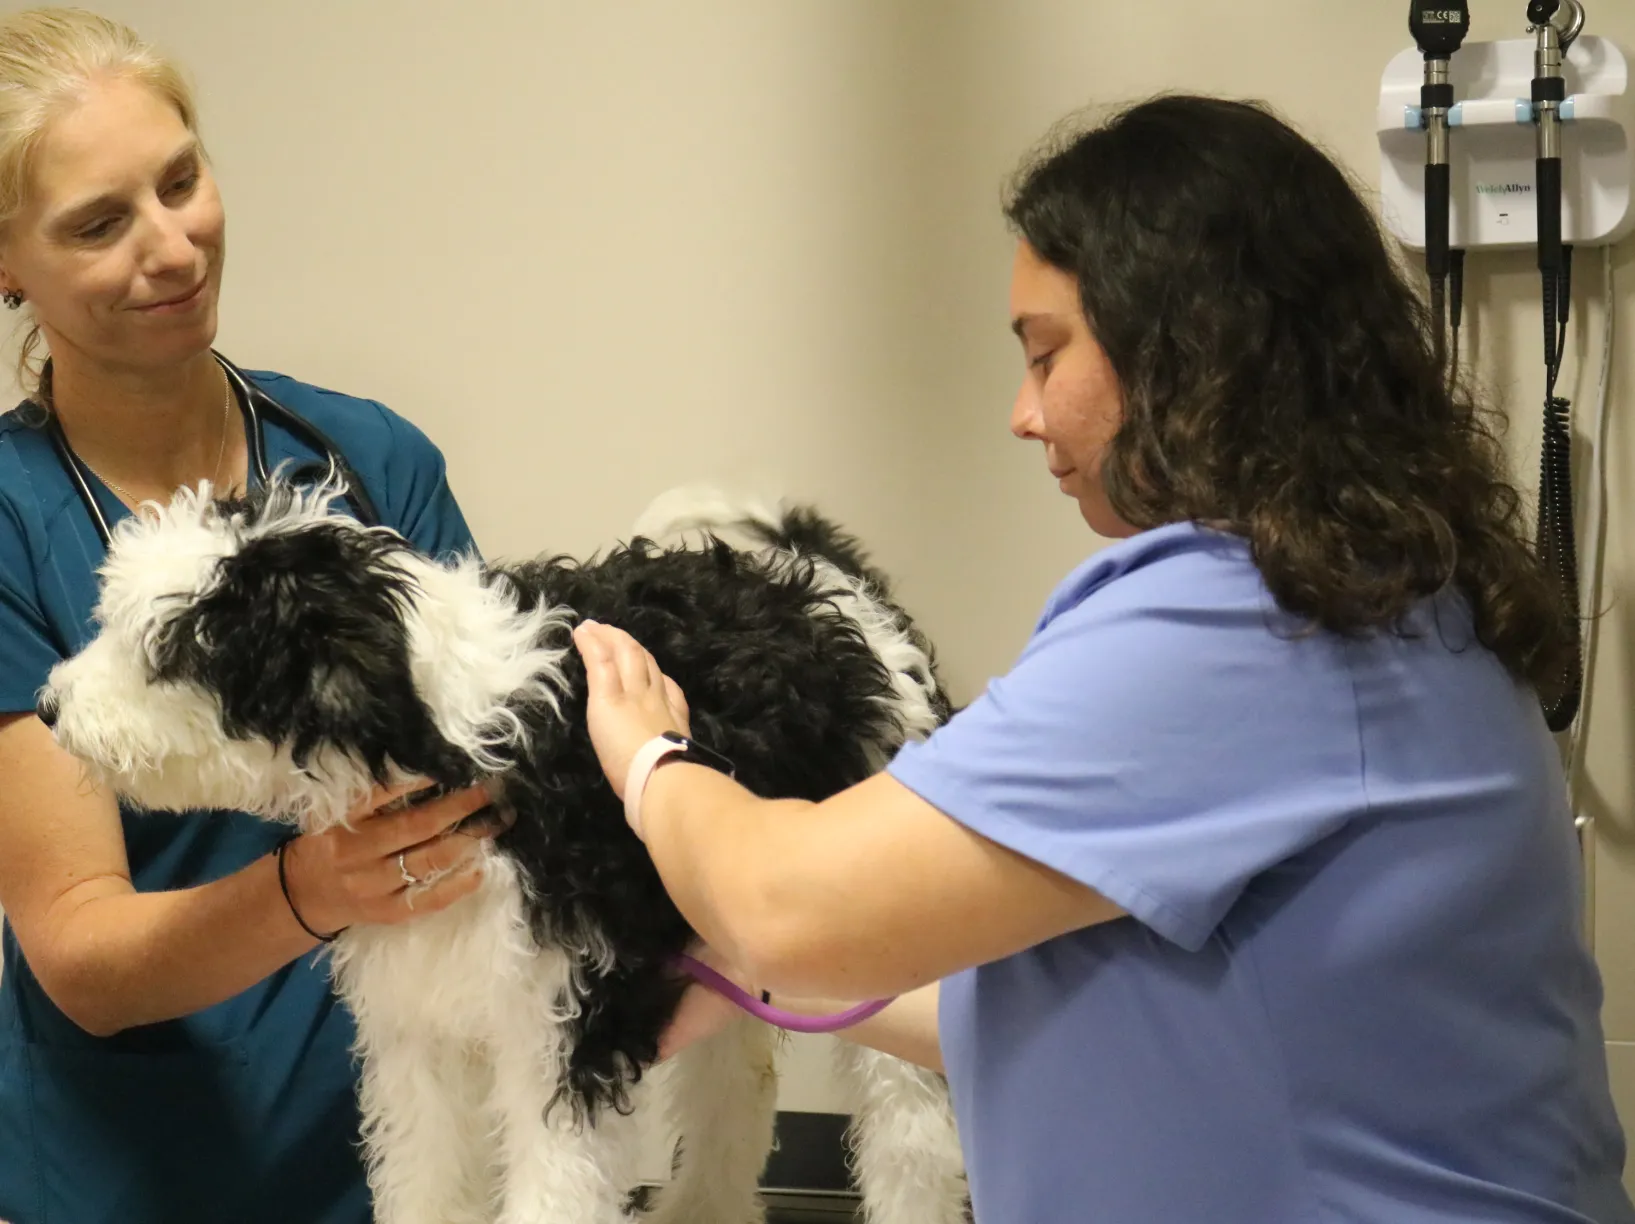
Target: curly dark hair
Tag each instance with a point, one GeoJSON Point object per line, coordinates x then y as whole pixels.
{"type": "Point", "coordinates": [1279, 376]}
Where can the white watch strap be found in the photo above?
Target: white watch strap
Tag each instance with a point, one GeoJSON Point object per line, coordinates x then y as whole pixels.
{"type": "Point", "coordinates": [641, 768]}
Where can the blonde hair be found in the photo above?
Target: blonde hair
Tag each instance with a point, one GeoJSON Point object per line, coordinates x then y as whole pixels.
{"type": "Point", "coordinates": [48, 59]}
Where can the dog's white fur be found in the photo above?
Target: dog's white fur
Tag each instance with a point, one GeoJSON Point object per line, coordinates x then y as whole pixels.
{"type": "Point", "coordinates": [461, 1014]}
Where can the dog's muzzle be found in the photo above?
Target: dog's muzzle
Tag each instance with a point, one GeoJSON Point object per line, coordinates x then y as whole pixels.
{"type": "Point", "coordinates": [45, 708]}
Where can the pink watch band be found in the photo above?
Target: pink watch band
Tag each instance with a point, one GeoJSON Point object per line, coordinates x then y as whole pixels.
{"type": "Point", "coordinates": [641, 769]}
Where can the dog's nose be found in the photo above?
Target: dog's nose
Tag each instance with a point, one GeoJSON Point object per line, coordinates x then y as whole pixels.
{"type": "Point", "coordinates": [46, 709]}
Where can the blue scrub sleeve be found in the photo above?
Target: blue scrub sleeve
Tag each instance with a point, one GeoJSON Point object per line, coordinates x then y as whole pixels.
{"type": "Point", "coordinates": [1162, 755]}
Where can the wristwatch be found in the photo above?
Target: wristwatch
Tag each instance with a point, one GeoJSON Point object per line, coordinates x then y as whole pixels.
{"type": "Point", "coordinates": [671, 745]}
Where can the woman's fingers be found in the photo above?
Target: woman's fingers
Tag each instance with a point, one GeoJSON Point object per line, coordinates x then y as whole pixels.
{"type": "Point", "coordinates": [617, 665]}
{"type": "Point", "coordinates": [601, 673]}
{"type": "Point", "coordinates": [628, 701]}
{"type": "Point", "coordinates": [677, 701]}
{"type": "Point", "coordinates": [633, 663]}
{"type": "Point", "coordinates": [635, 670]}
{"type": "Point", "coordinates": [383, 798]}
{"type": "Point", "coordinates": [622, 666]}
{"type": "Point", "coordinates": [348, 875]}
{"type": "Point", "coordinates": [434, 895]}
{"type": "Point", "coordinates": [413, 867]}
{"type": "Point", "coordinates": [702, 1012]}
{"type": "Point", "coordinates": [389, 833]}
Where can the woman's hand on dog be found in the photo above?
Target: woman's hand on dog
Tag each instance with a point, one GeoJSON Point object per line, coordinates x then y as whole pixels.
{"type": "Point", "coordinates": [353, 876]}
{"type": "Point", "coordinates": [703, 1013]}
{"type": "Point", "coordinates": [629, 699]}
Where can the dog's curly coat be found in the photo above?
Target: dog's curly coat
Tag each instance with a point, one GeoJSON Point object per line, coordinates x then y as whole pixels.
{"type": "Point", "coordinates": [271, 656]}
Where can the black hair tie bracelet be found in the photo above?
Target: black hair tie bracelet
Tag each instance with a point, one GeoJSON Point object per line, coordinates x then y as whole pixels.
{"type": "Point", "coordinates": [284, 887]}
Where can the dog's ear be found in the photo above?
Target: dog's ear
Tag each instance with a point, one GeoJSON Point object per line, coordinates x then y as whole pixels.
{"type": "Point", "coordinates": [302, 639]}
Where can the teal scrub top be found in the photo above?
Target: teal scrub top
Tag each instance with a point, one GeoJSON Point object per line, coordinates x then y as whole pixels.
{"type": "Point", "coordinates": [245, 1111]}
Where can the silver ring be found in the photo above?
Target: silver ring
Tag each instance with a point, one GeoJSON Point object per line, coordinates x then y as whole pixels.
{"type": "Point", "coordinates": [409, 877]}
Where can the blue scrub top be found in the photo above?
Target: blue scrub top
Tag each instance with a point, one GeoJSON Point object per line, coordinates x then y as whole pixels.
{"type": "Point", "coordinates": [1352, 984]}
{"type": "Point", "coordinates": [245, 1111]}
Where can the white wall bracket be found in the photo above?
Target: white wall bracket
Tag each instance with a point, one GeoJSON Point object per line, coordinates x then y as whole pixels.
{"type": "Point", "coordinates": [1492, 146]}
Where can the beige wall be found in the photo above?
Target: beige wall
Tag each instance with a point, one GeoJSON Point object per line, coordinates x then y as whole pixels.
{"type": "Point", "coordinates": [595, 250]}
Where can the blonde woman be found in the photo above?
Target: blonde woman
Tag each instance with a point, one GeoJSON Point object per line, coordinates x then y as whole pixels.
{"type": "Point", "coordinates": [169, 1050]}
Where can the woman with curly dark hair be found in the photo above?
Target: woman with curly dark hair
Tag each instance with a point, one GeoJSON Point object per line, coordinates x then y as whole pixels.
{"type": "Point", "coordinates": [1253, 882]}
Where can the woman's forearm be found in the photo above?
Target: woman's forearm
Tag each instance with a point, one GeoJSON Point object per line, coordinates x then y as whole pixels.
{"type": "Point", "coordinates": [810, 900]}
{"type": "Point", "coordinates": [139, 958]}
{"type": "Point", "coordinates": [113, 958]}
{"type": "Point", "coordinates": [717, 849]}
{"type": "Point", "coordinates": [907, 1029]}
{"type": "Point", "coordinates": [874, 891]}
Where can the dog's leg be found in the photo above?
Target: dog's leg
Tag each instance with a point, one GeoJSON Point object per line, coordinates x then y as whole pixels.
{"type": "Point", "coordinates": [723, 1096]}
{"type": "Point", "coordinates": [905, 1148]}
{"type": "Point", "coordinates": [422, 1101]}
{"type": "Point", "coordinates": [557, 1170]}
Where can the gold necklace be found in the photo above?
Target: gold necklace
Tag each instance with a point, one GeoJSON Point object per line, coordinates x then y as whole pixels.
{"type": "Point", "coordinates": [221, 449]}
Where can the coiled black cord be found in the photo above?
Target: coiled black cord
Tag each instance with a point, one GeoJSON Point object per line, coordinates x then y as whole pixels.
{"type": "Point", "coordinates": [1556, 542]}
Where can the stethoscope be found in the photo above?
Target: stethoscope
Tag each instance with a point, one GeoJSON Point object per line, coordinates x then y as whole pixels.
{"type": "Point", "coordinates": [256, 406]}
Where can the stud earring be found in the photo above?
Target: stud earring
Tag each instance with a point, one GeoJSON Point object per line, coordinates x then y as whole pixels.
{"type": "Point", "coordinates": [12, 298]}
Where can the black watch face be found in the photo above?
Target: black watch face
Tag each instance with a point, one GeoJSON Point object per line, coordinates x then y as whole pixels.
{"type": "Point", "coordinates": [698, 752]}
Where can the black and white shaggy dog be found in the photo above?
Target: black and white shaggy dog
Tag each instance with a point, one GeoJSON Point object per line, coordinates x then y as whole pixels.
{"type": "Point", "coordinates": [270, 656]}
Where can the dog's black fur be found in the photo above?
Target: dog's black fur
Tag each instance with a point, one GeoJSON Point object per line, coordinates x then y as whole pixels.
{"type": "Point", "coordinates": [302, 640]}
